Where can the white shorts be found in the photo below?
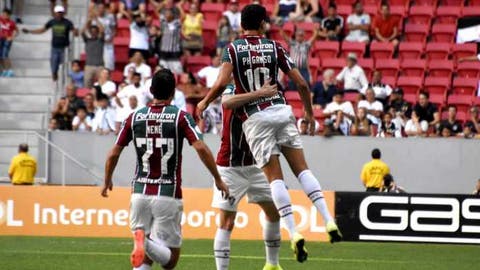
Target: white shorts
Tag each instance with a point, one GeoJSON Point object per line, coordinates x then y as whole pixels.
{"type": "Point", "coordinates": [241, 181]}
{"type": "Point", "coordinates": [159, 216]}
{"type": "Point", "coordinates": [266, 131]}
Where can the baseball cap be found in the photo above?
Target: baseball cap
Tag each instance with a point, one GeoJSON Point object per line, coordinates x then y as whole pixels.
{"type": "Point", "coordinates": [233, 1]}
{"type": "Point", "coordinates": [352, 56]}
{"type": "Point", "coordinates": [398, 91]}
{"type": "Point", "coordinates": [59, 9]}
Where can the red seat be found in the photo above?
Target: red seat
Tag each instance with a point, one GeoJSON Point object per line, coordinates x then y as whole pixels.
{"type": "Point", "coordinates": [314, 65]}
{"type": "Point", "coordinates": [308, 27]}
{"type": "Point", "coordinates": [399, 13]}
{"type": "Point", "coordinates": [344, 11]}
{"type": "Point", "coordinates": [82, 92]}
{"type": "Point", "coordinates": [336, 64]}
{"type": "Point", "coordinates": [416, 32]}
{"type": "Point", "coordinates": [456, 3]}
{"type": "Point", "coordinates": [388, 67]}
{"type": "Point", "coordinates": [437, 51]}
{"type": "Point", "coordinates": [474, 2]}
{"type": "Point", "coordinates": [465, 86]}
{"type": "Point", "coordinates": [116, 76]}
{"type": "Point", "coordinates": [410, 84]}
{"type": "Point", "coordinates": [345, 2]}
{"type": "Point", "coordinates": [444, 32]}
{"type": "Point", "coordinates": [462, 102]}
{"type": "Point", "coordinates": [421, 14]}
{"type": "Point", "coordinates": [209, 35]}
{"type": "Point", "coordinates": [471, 12]}
{"type": "Point", "coordinates": [468, 69]}
{"type": "Point", "coordinates": [381, 50]}
{"type": "Point", "coordinates": [432, 3]}
{"type": "Point", "coordinates": [351, 96]}
{"type": "Point", "coordinates": [318, 115]}
{"type": "Point", "coordinates": [412, 67]}
{"type": "Point", "coordinates": [212, 11]}
{"type": "Point", "coordinates": [195, 63]}
{"type": "Point", "coordinates": [289, 28]}
{"type": "Point", "coordinates": [437, 85]}
{"type": "Point", "coordinates": [123, 28]}
{"type": "Point", "coordinates": [399, 3]}
{"type": "Point", "coordinates": [463, 50]}
{"type": "Point", "coordinates": [390, 80]}
{"type": "Point", "coordinates": [437, 99]}
{"type": "Point", "coordinates": [371, 10]}
{"type": "Point", "coordinates": [293, 99]}
{"type": "Point", "coordinates": [440, 68]}
{"type": "Point", "coordinates": [356, 47]}
{"type": "Point", "coordinates": [326, 49]}
{"type": "Point", "coordinates": [410, 98]}
{"type": "Point", "coordinates": [367, 65]}
{"type": "Point", "coordinates": [448, 14]}
{"type": "Point", "coordinates": [410, 50]}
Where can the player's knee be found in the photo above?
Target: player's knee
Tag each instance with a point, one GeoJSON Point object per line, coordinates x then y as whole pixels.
{"type": "Point", "coordinates": [173, 260]}
{"type": "Point", "coordinates": [227, 223]}
{"type": "Point", "coordinates": [273, 216]}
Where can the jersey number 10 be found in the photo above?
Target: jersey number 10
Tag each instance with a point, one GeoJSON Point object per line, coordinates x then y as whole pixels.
{"type": "Point", "coordinates": [253, 77]}
{"type": "Point", "coordinates": [157, 143]}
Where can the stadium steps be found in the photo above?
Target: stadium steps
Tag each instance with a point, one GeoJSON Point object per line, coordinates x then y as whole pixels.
{"type": "Point", "coordinates": [25, 103]}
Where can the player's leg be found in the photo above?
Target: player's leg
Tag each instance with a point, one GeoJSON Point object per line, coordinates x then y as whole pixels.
{"type": "Point", "coordinates": [271, 236]}
{"type": "Point", "coordinates": [140, 223]}
{"type": "Point", "coordinates": [221, 244]}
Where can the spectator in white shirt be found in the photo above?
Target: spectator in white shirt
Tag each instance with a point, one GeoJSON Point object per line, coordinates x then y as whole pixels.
{"type": "Point", "coordinates": [302, 126]}
{"type": "Point", "coordinates": [358, 25]}
{"type": "Point", "coordinates": [82, 121]}
{"type": "Point", "coordinates": [352, 76]}
{"type": "Point", "coordinates": [338, 104]}
{"type": "Point", "coordinates": [382, 91]}
{"type": "Point", "coordinates": [138, 63]}
{"type": "Point", "coordinates": [138, 36]}
{"type": "Point", "coordinates": [210, 73]}
{"type": "Point", "coordinates": [234, 15]}
{"type": "Point", "coordinates": [416, 128]}
{"type": "Point", "coordinates": [122, 99]}
{"type": "Point", "coordinates": [374, 107]}
{"type": "Point", "coordinates": [108, 87]}
{"type": "Point", "coordinates": [104, 121]}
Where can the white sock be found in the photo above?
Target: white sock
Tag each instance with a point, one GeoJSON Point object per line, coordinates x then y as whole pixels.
{"type": "Point", "coordinates": [312, 188]}
{"type": "Point", "coordinates": [271, 235]}
{"type": "Point", "coordinates": [221, 248]}
{"type": "Point", "coordinates": [143, 267]}
{"type": "Point", "coordinates": [158, 252]}
{"type": "Point", "coordinates": [281, 199]}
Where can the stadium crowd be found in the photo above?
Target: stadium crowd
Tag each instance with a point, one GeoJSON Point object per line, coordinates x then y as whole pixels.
{"type": "Point", "coordinates": [364, 79]}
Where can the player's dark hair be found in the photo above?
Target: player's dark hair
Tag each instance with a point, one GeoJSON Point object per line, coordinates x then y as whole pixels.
{"type": "Point", "coordinates": [23, 147]}
{"type": "Point", "coordinates": [163, 84]}
{"type": "Point", "coordinates": [8, 11]}
{"type": "Point", "coordinates": [387, 179]}
{"type": "Point", "coordinates": [376, 154]}
{"type": "Point", "coordinates": [253, 16]}
{"type": "Point", "coordinates": [424, 93]}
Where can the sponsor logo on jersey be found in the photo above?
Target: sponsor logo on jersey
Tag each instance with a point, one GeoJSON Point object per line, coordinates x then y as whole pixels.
{"type": "Point", "coordinates": [163, 117]}
{"type": "Point", "coordinates": [255, 47]}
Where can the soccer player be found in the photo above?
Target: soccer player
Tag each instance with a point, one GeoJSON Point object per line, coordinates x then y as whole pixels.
{"type": "Point", "coordinates": [268, 123]}
{"type": "Point", "coordinates": [237, 167]}
{"type": "Point", "coordinates": [157, 132]}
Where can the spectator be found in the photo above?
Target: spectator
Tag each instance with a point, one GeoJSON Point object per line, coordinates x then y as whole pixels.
{"type": "Point", "coordinates": [234, 15]}
{"type": "Point", "coordinates": [374, 107]}
{"type": "Point", "coordinates": [52, 124]}
{"type": "Point", "coordinates": [352, 76]}
{"type": "Point", "coordinates": [426, 110]}
{"type": "Point", "coordinates": [283, 9]}
{"type": "Point", "coordinates": [61, 28]}
{"type": "Point", "coordinates": [127, 7]}
{"type": "Point", "coordinates": [340, 125]}
{"type": "Point", "coordinates": [362, 126]}
{"type": "Point", "coordinates": [358, 25]}
{"type": "Point", "coordinates": [122, 98]}
{"type": "Point", "coordinates": [104, 121]}
{"type": "Point", "coordinates": [66, 108]}
{"type": "Point", "coordinates": [324, 91]}
{"type": "Point", "coordinates": [302, 126]}
{"type": "Point", "coordinates": [386, 26]}
{"type": "Point", "coordinates": [338, 104]}
{"type": "Point", "coordinates": [107, 19]}
{"type": "Point", "coordinates": [388, 129]}
{"type": "Point", "coordinates": [76, 74]}
{"type": "Point", "coordinates": [138, 37]}
{"type": "Point", "coordinates": [212, 120]}
{"type": "Point", "coordinates": [454, 125]}
{"type": "Point", "coordinates": [210, 73]}
{"type": "Point", "coordinates": [162, 6]}
{"type": "Point", "coordinates": [469, 131]}
{"type": "Point", "coordinates": [8, 31]}
{"type": "Point", "coordinates": [474, 119]}
{"type": "Point", "coordinates": [224, 31]}
{"type": "Point", "coordinates": [416, 127]}
{"type": "Point", "coordinates": [445, 132]}
{"type": "Point", "coordinates": [53, 6]}
{"type": "Point", "coordinates": [88, 101]}
{"type": "Point", "coordinates": [107, 86]}
{"type": "Point", "coordinates": [93, 36]}
{"type": "Point", "coordinates": [476, 191]}
{"type": "Point", "coordinates": [82, 121]}
{"type": "Point", "coordinates": [373, 172]}
{"type": "Point", "coordinates": [307, 11]}
{"type": "Point", "coordinates": [23, 167]}
{"type": "Point", "coordinates": [137, 62]}
{"type": "Point", "coordinates": [390, 186]}
{"type": "Point", "coordinates": [192, 31]}
{"type": "Point", "coordinates": [382, 91]}
{"type": "Point", "coordinates": [399, 107]}
{"type": "Point", "coordinates": [332, 25]}
{"type": "Point", "coordinates": [170, 49]}
{"type": "Point", "coordinates": [59, 114]}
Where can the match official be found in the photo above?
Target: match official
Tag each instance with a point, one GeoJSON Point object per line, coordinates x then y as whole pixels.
{"type": "Point", "coordinates": [23, 167]}
{"type": "Point", "coordinates": [373, 172]}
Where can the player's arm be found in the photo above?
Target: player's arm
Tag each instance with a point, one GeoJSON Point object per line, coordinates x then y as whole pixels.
{"type": "Point", "coordinates": [110, 164]}
{"type": "Point", "coordinates": [217, 88]}
{"type": "Point", "coordinates": [304, 92]}
{"type": "Point", "coordinates": [238, 100]}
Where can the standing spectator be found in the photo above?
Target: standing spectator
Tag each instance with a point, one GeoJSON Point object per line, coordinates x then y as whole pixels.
{"type": "Point", "coordinates": [224, 31]}
{"type": "Point", "coordinates": [373, 172]}
{"type": "Point", "coordinates": [210, 73]}
{"type": "Point", "coordinates": [76, 74]}
{"type": "Point", "coordinates": [358, 25]}
{"type": "Point", "coordinates": [362, 126]}
{"type": "Point", "coordinates": [385, 26]}
{"type": "Point", "coordinates": [61, 28]}
{"type": "Point", "coordinates": [108, 87]}
{"type": "Point", "coordinates": [307, 11]}
{"type": "Point", "coordinates": [332, 25]}
{"type": "Point", "coordinates": [352, 76]}
{"type": "Point", "coordinates": [192, 28]}
{"type": "Point", "coordinates": [138, 65]}
{"type": "Point", "coordinates": [454, 125]}
{"type": "Point", "coordinates": [127, 7]}
{"type": "Point", "coordinates": [324, 91]}
{"type": "Point", "coordinates": [66, 108]}
{"type": "Point", "coordinates": [416, 127]}
{"type": "Point", "coordinates": [162, 6]}
{"type": "Point", "coordinates": [374, 107]}
{"type": "Point", "coordinates": [82, 121]}
{"type": "Point", "coordinates": [476, 191]}
{"type": "Point", "coordinates": [93, 36]}
{"type": "Point", "coordinates": [283, 9]}
{"type": "Point", "coordinates": [426, 110]}
{"type": "Point", "coordinates": [122, 98]}
{"type": "Point", "coordinates": [399, 107]}
{"type": "Point", "coordinates": [104, 121]}
{"type": "Point", "coordinates": [53, 5]}
{"type": "Point", "coordinates": [474, 119]}
{"type": "Point", "coordinates": [170, 49]}
{"type": "Point", "coordinates": [107, 19]}
{"type": "Point", "coordinates": [138, 37]}
{"type": "Point", "coordinates": [23, 167]}
{"type": "Point", "coordinates": [390, 186]}
{"type": "Point", "coordinates": [234, 15]}
{"type": "Point", "coordinates": [388, 129]}
{"type": "Point", "coordinates": [382, 91]}
{"type": "Point", "coordinates": [8, 31]}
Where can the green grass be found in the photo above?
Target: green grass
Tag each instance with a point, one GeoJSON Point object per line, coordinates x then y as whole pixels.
{"type": "Point", "coordinates": [39, 253]}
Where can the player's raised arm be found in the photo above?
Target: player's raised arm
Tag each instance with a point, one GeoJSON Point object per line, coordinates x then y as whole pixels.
{"type": "Point", "coordinates": [233, 101]}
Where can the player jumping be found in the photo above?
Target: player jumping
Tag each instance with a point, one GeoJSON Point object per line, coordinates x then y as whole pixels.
{"type": "Point", "coordinates": [237, 167]}
{"type": "Point", "coordinates": [157, 132]}
{"type": "Point", "coordinates": [268, 123]}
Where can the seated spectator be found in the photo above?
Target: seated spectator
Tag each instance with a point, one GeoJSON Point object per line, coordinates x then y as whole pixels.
{"type": "Point", "coordinates": [324, 90]}
{"type": "Point", "coordinates": [474, 119]}
{"type": "Point", "coordinates": [137, 62]}
{"type": "Point", "coordinates": [137, 89]}
{"type": "Point", "coordinates": [382, 91]}
{"type": "Point", "coordinates": [373, 107]}
{"type": "Point", "coordinates": [302, 126]}
{"type": "Point", "coordinates": [307, 11]}
{"type": "Point", "coordinates": [170, 48]}
{"type": "Point", "coordinates": [445, 132]}
{"type": "Point", "coordinates": [358, 25]}
{"type": "Point", "coordinates": [426, 110]}
{"type": "Point", "coordinates": [399, 107]}
{"type": "Point", "coordinates": [162, 6]}
{"type": "Point", "coordinates": [332, 25]}
{"type": "Point", "coordinates": [138, 36]}
{"type": "Point", "coordinates": [390, 186]}
{"type": "Point", "coordinates": [388, 129]}
{"type": "Point", "coordinates": [362, 126]}
{"type": "Point", "coordinates": [82, 121]}
{"type": "Point", "coordinates": [234, 15]}
{"type": "Point", "coordinates": [8, 31]}
{"type": "Point", "coordinates": [76, 74]}
{"type": "Point", "coordinates": [108, 87]}
{"type": "Point", "coordinates": [469, 131]}
{"type": "Point", "coordinates": [109, 23]}
{"type": "Point", "coordinates": [385, 26]}
{"type": "Point", "coordinates": [339, 126]}
{"type": "Point", "coordinates": [352, 76]}
{"type": "Point", "coordinates": [127, 7]}
{"type": "Point", "coordinates": [224, 31]}
{"type": "Point", "coordinates": [454, 125]}
{"type": "Point", "coordinates": [192, 31]}
{"type": "Point", "coordinates": [104, 121]}
{"type": "Point", "coordinates": [88, 101]}
{"type": "Point", "coordinates": [210, 73]}
{"type": "Point", "coordinates": [282, 10]}
{"type": "Point", "coordinates": [67, 107]}
{"type": "Point", "coordinates": [416, 127]}
{"type": "Point", "coordinates": [338, 104]}
{"type": "Point", "coordinates": [52, 124]}
{"type": "Point", "coordinates": [93, 36]}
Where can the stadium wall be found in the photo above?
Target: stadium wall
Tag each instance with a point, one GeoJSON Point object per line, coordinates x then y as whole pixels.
{"type": "Point", "coordinates": [443, 166]}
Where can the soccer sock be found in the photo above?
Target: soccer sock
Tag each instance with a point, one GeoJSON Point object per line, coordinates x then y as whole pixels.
{"type": "Point", "coordinates": [312, 188]}
{"type": "Point", "coordinates": [221, 248]}
{"type": "Point", "coordinates": [158, 252]}
{"type": "Point", "coordinates": [143, 267]}
{"type": "Point", "coordinates": [271, 235]}
{"type": "Point", "coordinates": [281, 199]}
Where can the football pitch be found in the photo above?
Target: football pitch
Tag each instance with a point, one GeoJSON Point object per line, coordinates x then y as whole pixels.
{"type": "Point", "coordinates": [39, 253]}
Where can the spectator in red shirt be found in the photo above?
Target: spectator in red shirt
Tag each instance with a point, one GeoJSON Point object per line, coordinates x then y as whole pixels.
{"type": "Point", "coordinates": [385, 26]}
{"type": "Point", "coordinates": [8, 30]}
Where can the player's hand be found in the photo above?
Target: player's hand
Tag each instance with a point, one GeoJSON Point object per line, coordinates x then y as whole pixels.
{"type": "Point", "coordinates": [108, 186]}
{"type": "Point", "coordinates": [311, 124]}
{"type": "Point", "coordinates": [223, 188]}
{"type": "Point", "coordinates": [267, 90]}
{"type": "Point", "coordinates": [201, 107]}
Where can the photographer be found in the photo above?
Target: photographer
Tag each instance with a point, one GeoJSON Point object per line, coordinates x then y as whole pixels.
{"type": "Point", "coordinates": [390, 186]}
